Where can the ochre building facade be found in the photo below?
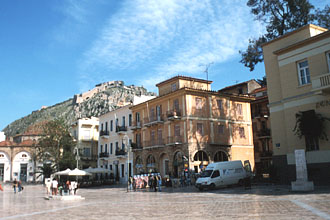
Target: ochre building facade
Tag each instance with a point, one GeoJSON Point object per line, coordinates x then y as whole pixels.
{"type": "Point", "coordinates": [189, 126]}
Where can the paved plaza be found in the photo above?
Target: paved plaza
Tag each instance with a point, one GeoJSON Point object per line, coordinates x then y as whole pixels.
{"type": "Point", "coordinates": [261, 202]}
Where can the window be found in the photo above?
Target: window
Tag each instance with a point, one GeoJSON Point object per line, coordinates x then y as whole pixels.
{"type": "Point", "coordinates": [303, 72]}
{"type": "Point", "coordinates": [239, 109]}
{"type": "Point", "coordinates": [110, 167]}
{"type": "Point", "coordinates": [117, 122]}
{"type": "Point", "coordinates": [176, 105]}
{"type": "Point", "coordinates": [87, 152]}
{"type": "Point", "coordinates": [177, 130]}
{"type": "Point", "coordinates": [106, 148]}
{"type": "Point", "coordinates": [328, 59]}
{"type": "Point", "coordinates": [215, 174]}
{"type": "Point", "coordinates": [160, 135]}
{"type": "Point", "coordinates": [221, 129]}
{"type": "Point", "coordinates": [106, 126]}
{"type": "Point", "coordinates": [240, 91]}
{"type": "Point", "coordinates": [123, 170]}
{"type": "Point", "coordinates": [152, 135]}
{"type": "Point", "coordinates": [200, 128]}
{"type": "Point", "coordinates": [123, 145]}
{"type": "Point", "coordinates": [137, 116]}
{"type": "Point", "coordinates": [130, 120]}
{"type": "Point", "coordinates": [101, 148]}
{"type": "Point", "coordinates": [102, 127]}
{"type": "Point", "coordinates": [117, 146]}
{"type": "Point", "coordinates": [123, 122]}
{"type": "Point", "coordinates": [199, 104]}
{"type": "Point", "coordinates": [219, 103]}
{"type": "Point", "coordinates": [312, 143]}
{"type": "Point", "coordinates": [241, 132]}
{"type": "Point", "coordinates": [111, 148]}
{"type": "Point", "coordinates": [173, 86]}
{"type": "Point", "coordinates": [111, 125]}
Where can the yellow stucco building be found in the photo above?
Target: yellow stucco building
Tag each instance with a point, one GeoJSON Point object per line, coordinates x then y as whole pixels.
{"type": "Point", "coordinates": [297, 67]}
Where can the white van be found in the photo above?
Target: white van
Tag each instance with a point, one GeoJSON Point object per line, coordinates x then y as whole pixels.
{"type": "Point", "coordinates": [222, 174]}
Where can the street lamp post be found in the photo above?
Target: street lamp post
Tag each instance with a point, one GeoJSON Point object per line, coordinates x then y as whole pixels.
{"type": "Point", "coordinates": [128, 149]}
{"type": "Point", "coordinates": [77, 155]}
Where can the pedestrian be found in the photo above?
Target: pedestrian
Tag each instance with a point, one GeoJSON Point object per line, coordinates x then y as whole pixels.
{"type": "Point", "coordinates": [130, 183]}
{"type": "Point", "coordinates": [48, 184]}
{"type": "Point", "coordinates": [155, 180]}
{"type": "Point", "coordinates": [19, 186]}
{"type": "Point", "coordinates": [15, 185]}
{"type": "Point", "coordinates": [1, 187]}
{"type": "Point", "coordinates": [159, 183]}
{"type": "Point", "coordinates": [54, 187]}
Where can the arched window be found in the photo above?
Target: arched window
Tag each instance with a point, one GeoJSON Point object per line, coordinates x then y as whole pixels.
{"type": "Point", "coordinates": [201, 156]}
{"type": "Point", "coordinates": [220, 156]}
{"type": "Point", "coordinates": [151, 161]}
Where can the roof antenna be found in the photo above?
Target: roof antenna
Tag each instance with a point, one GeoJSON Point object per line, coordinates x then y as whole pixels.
{"type": "Point", "coordinates": [207, 66]}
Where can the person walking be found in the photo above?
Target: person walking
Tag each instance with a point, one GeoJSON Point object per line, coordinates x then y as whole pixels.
{"type": "Point", "coordinates": [54, 187]}
{"type": "Point", "coordinates": [159, 183]}
{"type": "Point", "coordinates": [1, 187]}
{"type": "Point", "coordinates": [15, 185]}
{"type": "Point", "coordinates": [155, 180]}
{"type": "Point", "coordinates": [19, 186]}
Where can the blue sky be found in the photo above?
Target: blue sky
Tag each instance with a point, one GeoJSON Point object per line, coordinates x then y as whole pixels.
{"type": "Point", "coordinates": [51, 50]}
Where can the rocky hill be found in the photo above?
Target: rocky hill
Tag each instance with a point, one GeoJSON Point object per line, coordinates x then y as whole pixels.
{"type": "Point", "coordinates": [103, 98]}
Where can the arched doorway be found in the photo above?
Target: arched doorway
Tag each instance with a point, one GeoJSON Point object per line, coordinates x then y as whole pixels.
{"type": "Point", "coordinates": [164, 168]}
{"type": "Point", "coordinates": [151, 164]}
{"type": "Point", "coordinates": [4, 167]}
{"type": "Point", "coordinates": [220, 156]}
{"type": "Point", "coordinates": [23, 167]}
{"type": "Point", "coordinates": [138, 165]}
{"type": "Point", "coordinates": [201, 160]}
{"type": "Point", "coordinates": [177, 164]}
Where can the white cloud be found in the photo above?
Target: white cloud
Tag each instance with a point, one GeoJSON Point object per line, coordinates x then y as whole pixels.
{"type": "Point", "coordinates": [179, 36]}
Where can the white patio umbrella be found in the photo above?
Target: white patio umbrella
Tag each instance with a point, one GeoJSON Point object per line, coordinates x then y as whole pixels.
{"type": "Point", "coordinates": [62, 173]}
{"type": "Point", "coordinates": [77, 172]}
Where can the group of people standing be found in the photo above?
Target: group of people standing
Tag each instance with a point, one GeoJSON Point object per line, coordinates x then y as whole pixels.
{"type": "Point", "coordinates": [152, 181]}
{"type": "Point", "coordinates": [53, 187]}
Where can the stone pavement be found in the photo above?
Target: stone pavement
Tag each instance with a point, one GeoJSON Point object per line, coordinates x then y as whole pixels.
{"type": "Point", "coordinates": [261, 202]}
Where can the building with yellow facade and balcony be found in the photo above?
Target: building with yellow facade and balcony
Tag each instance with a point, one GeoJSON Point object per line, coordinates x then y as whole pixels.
{"type": "Point", "coordinates": [189, 126]}
{"type": "Point", "coordinates": [297, 67]}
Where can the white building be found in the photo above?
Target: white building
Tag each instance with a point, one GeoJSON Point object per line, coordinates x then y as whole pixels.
{"type": "Point", "coordinates": [2, 136]}
{"type": "Point", "coordinates": [115, 134]}
{"type": "Point", "coordinates": [86, 135]}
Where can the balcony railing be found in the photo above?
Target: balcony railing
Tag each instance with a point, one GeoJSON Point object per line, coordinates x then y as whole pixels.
{"type": "Point", "coordinates": [120, 152]}
{"type": "Point", "coordinates": [104, 133]}
{"type": "Point", "coordinates": [174, 140]}
{"type": "Point", "coordinates": [321, 83]}
{"type": "Point", "coordinates": [121, 128]}
{"type": "Point", "coordinates": [136, 146]}
{"type": "Point", "coordinates": [136, 125]}
{"type": "Point", "coordinates": [104, 154]}
{"type": "Point", "coordinates": [260, 113]}
{"type": "Point", "coordinates": [264, 133]}
{"type": "Point", "coordinates": [266, 153]}
{"type": "Point", "coordinates": [153, 120]}
{"type": "Point", "coordinates": [153, 143]}
{"type": "Point", "coordinates": [174, 114]}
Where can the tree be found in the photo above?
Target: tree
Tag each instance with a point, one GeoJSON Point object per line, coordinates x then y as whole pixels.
{"type": "Point", "coordinates": [56, 146]}
{"type": "Point", "coordinates": [280, 17]}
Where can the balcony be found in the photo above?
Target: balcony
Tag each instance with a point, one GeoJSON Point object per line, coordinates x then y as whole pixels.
{"type": "Point", "coordinates": [136, 146]}
{"type": "Point", "coordinates": [136, 125]}
{"type": "Point", "coordinates": [153, 144]}
{"type": "Point", "coordinates": [120, 152]}
{"type": "Point", "coordinates": [264, 133]}
{"type": "Point", "coordinates": [121, 129]}
{"type": "Point", "coordinates": [176, 140]}
{"type": "Point", "coordinates": [321, 83]}
{"type": "Point", "coordinates": [263, 113]}
{"type": "Point", "coordinates": [103, 154]}
{"type": "Point", "coordinates": [266, 154]}
{"type": "Point", "coordinates": [173, 114]}
{"type": "Point", "coordinates": [153, 120]}
{"type": "Point", "coordinates": [104, 134]}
